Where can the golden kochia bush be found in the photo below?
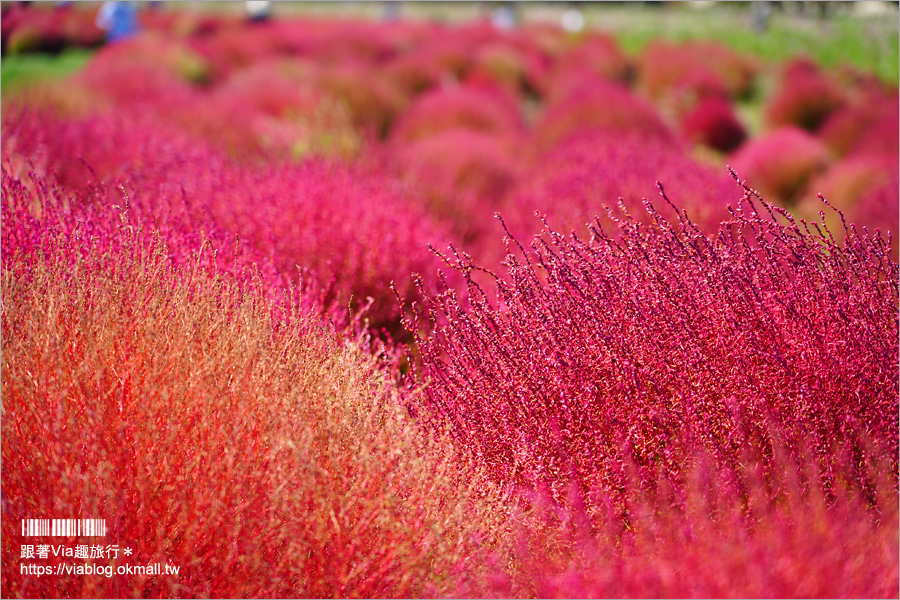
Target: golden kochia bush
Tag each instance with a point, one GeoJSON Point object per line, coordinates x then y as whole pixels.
{"type": "Point", "coordinates": [262, 454]}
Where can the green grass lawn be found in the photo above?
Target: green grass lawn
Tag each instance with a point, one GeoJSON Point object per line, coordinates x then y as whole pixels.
{"type": "Point", "coordinates": [869, 42]}
{"type": "Point", "coordinates": [23, 69]}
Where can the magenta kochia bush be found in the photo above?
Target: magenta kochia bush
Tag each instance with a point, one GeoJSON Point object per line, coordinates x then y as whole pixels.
{"type": "Point", "coordinates": [597, 104]}
{"type": "Point", "coordinates": [593, 169]}
{"type": "Point", "coordinates": [27, 29]}
{"type": "Point", "coordinates": [649, 344]}
{"type": "Point", "coordinates": [805, 97]}
{"type": "Point", "coordinates": [666, 67]}
{"type": "Point", "coordinates": [167, 52]}
{"type": "Point", "coordinates": [869, 126]}
{"type": "Point", "coordinates": [781, 162]}
{"type": "Point", "coordinates": [461, 177]}
{"type": "Point", "coordinates": [453, 107]}
{"type": "Point", "coordinates": [713, 123]}
{"type": "Point", "coordinates": [864, 188]}
{"type": "Point", "coordinates": [349, 231]}
{"type": "Point", "coordinates": [597, 56]}
{"type": "Point", "coordinates": [704, 541]}
{"type": "Point", "coordinates": [116, 146]}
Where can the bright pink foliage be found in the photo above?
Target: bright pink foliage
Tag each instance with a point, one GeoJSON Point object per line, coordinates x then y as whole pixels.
{"type": "Point", "coordinates": [713, 123]}
{"type": "Point", "coordinates": [109, 221]}
{"type": "Point", "coordinates": [595, 169]}
{"type": "Point", "coordinates": [599, 105]}
{"type": "Point", "coordinates": [695, 67]}
{"type": "Point", "coordinates": [870, 126]}
{"type": "Point", "coordinates": [805, 97]}
{"type": "Point", "coordinates": [453, 107]}
{"type": "Point", "coordinates": [296, 215]}
{"type": "Point", "coordinates": [781, 162]}
{"type": "Point", "coordinates": [661, 338]}
{"type": "Point", "coordinates": [461, 177]}
{"type": "Point", "coordinates": [27, 29]}
{"type": "Point", "coordinates": [598, 56]}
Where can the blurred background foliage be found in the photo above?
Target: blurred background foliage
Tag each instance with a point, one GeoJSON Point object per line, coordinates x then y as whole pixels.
{"type": "Point", "coordinates": [861, 34]}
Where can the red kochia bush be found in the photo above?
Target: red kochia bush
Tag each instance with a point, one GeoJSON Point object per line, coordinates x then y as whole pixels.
{"type": "Point", "coordinates": [805, 97]}
{"type": "Point", "coordinates": [350, 231]}
{"type": "Point", "coordinates": [666, 67]}
{"type": "Point", "coordinates": [649, 344]}
{"type": "Point", "coordinates": [107, 148]}
{"type": "Point", "coordinates": [598, 54]}
{"type": "Point", "coordinates": [500, 63]}
{"type": "Point", "coordinates": [233, 43]}
{"type": "Point", "coordinates": [780, 163]}
{"type": "Point", "coordinates": [156, 49]}
{"type": "Point", "coordinates": [340, 42]}
{"type": "Point", "coordinates": [36, 209]}
{"type": "Point", "coordinates": [275, 110]}
{"type": "Point", "coordinates": [260, 99]}
{"type": "Point", "coordinates": [414, 73]}
{"type": "Point", "coordinates": [453, 107]}
{"type": "Point", "coordinates": [713, 123]}
{"type": "Point", "coordinates": [596, 104]}
{"type": "Point", "coordinates": [593, 169]}
{"type": "Point", "coordinates": [461, 177]}
{"type": "Point", "coordinates": [845, 182]}
{"type": "Point", "coordinates": [372, 102]}
{"type": "Point", "coordinates": [705, 542]}
{"type": "Point", "coordinates": [26, 29]}
{"type": "Point", "coordinates": [447, 52]}
{"type": "Point", "coordinates": [532, 61]}
{"type": "Point", "coordinates": [149, 73]}
{"type": "Point", "coordinates": [866, 189]}
{"type": "Point", "coordinates": [869, 126]}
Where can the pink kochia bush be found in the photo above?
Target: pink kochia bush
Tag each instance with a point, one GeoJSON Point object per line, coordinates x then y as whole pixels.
{"type": "Point", "coordinates": [713, 123]}
{"type": "Point", "coordinates": [596, 56]}
{"type": "Point", "coordinates": [298, 216]}
{"type": "Point", "coordinates": [119, 146]}
{"type": "Point", "coordinates": [696, 68]}
{"type": "Point", "coordinates": [612, 373]}
{"type": "Point", "coordinates": [572, 184]}
{"type": "Point", "coordinates": [506, 65]}
{"type": "Point", "coordinates": [865, 188]}
{"type": "Point", "coordinates": [275, 110]}
{"type": "Point", "coordinates": [805, 97]}
{"type": "Point", "coordinates": [781, 162]}
{"type": "Point", "coordinates": [870, 125]}
{"type": "Point", "coordinates": [676, 399]}
{"type": "Point", "coordinates": [721, 536]}
{"type": "Point", "coordinates": [597, 104]}
{"type": "Point", "coordinates": [37, 209]}
{"type": "Point", "coordinates": [27, 29]}
{"type": "Point", "coordinates": [461, 177]}
{"type": "Point", "coordinates": [454, 107]}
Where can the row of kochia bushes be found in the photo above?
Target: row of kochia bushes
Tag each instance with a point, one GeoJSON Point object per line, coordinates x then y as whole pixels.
{"type": "Point", "coordinates": [473, 119]}
{"type": "Point", "coordinates": [654, 412]}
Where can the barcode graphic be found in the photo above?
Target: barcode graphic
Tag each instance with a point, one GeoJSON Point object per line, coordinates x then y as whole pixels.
{"type": "Point", "coordinates": [64, 527]}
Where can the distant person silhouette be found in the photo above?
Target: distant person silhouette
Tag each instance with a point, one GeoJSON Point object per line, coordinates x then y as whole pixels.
{"type": "Point", "coordinates": [118, 20]}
